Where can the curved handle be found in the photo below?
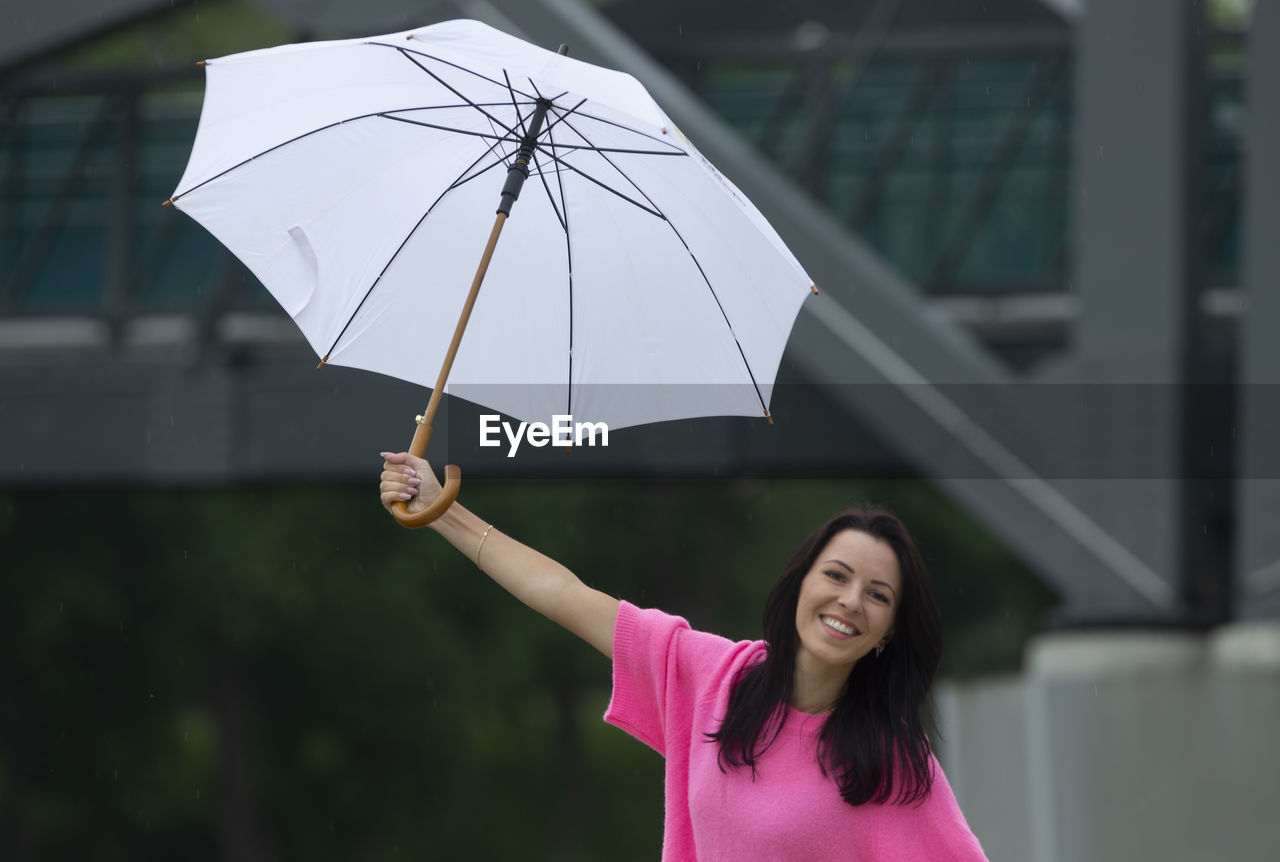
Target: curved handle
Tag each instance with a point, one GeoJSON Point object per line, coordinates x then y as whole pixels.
{"type": "Point", "coordinates": [414, 520]}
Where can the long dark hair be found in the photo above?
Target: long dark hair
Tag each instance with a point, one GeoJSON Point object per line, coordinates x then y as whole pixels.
{"type": "Point", "coordinates": [875, 741]}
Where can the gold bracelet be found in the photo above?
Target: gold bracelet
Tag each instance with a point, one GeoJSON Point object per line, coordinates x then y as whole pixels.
{"type": "Point", "coordinates": [483, 536]}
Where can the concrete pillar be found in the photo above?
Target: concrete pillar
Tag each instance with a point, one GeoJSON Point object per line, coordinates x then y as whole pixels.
{"type": "Point", "coordinates": [1118, 745]}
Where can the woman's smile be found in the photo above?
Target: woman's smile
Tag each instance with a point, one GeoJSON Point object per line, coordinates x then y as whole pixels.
{"type": "Point", "coordinates": [840, 628]}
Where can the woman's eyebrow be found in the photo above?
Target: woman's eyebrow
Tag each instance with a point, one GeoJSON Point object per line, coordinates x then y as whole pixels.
{"type": "Point", "coordinates": [842, 564]}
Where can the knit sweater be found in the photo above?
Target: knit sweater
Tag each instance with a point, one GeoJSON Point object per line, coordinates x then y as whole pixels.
{"type": "Point", "coordinates": [671, 687]}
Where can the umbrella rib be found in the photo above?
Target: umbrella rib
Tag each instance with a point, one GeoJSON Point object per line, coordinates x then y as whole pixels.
{"type": "Point", "coordinates": [542, 176]}
{"type": "Point", "coordinates": [520, 117]}
{"type": "Point", "coordinates": [442, 82]}
{"type": "Point", "coordinates": [455, 184]}
{"type": "Point", "coordinates": [566, 112]}
{"type": "Point", "coordinates": [273, 148]}
{"type": "Point", "coordinates": [407, 51]}
{"type": "Point", "coordinates": [603, 185]}
{"type": "Point", "coordinates": [625, 151]}
{"type": "Point", "coordinates": [568, 241]}
{"type": "Point", "coordinates": [563, 218]}
{"type": "Point", "coordinates": [508, 137]}
{"type": "Point", "coordinates": [676, 150]}
{"type": "Point", "coordinates": [693, 257]}
{"type": "Point", "coordinates": [501, 104]}
{"type": "Point", "coordinates": [568, 250]}
{"type": "Point", "coordinates": [512, 91]}
{"type": "Point", "coordinates": [515, 140]}
{"type": "Point", "coordinates": [463, 179]}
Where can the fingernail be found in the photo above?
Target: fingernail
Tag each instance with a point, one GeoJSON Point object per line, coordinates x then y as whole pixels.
{"type": "Point", "coordinates": [403, 496]}
{"type": "Point", "coordinates": [386, 454]}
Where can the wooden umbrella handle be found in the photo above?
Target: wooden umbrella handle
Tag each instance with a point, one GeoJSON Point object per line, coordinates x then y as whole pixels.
{"type": "Point", "coordinates": [452, 484]}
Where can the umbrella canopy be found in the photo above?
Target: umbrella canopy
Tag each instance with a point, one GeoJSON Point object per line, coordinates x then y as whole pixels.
{"type": "Point", "coordinates": [358, 180]}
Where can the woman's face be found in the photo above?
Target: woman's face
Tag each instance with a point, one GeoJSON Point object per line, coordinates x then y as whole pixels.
{"type": "Point", "coordinates": [847, 603]}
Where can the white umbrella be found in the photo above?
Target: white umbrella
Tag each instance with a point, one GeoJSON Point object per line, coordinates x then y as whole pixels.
{"type": "Point", "coordinates": [358, 180]}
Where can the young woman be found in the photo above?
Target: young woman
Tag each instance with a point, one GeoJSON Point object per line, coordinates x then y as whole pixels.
{"type": "Point", "coordinates": [809, 745]}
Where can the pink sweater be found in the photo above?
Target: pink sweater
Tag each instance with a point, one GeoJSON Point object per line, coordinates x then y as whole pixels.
{"type": "Point", "coordinates": [671, 686]}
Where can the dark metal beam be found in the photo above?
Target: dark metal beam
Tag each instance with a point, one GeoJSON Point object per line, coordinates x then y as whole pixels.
{"type": "Point", "coordinates": [1137, 275]}
{"type": "Point", "coordinates": [1258, 491]}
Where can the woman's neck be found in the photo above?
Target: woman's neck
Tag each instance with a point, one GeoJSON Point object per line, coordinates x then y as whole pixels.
{"type": "Point", "coordinates": [817, 689]}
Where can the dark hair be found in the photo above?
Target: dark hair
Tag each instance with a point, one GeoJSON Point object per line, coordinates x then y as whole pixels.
{"type": "Point", "coordinates": [875, 741]}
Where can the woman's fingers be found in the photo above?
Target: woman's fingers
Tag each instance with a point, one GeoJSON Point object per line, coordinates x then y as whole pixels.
{"type": "Point", "coordinates": [401, 476]}
{"type": "Point", "coordinates": [407, 479]}
{"type": "Point", "coordinates": [400, 482]}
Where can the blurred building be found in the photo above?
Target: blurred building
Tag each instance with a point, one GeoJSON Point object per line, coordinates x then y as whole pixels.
{"type": "Point", "coordinates": [1043, 234]}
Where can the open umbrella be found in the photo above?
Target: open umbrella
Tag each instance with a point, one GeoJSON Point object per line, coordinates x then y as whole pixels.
{"type": "Point", "coordinates": [358, 180]}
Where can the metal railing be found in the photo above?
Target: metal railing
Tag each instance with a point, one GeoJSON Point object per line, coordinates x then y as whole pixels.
{"type": "Point", "coordinates": [949, 153]}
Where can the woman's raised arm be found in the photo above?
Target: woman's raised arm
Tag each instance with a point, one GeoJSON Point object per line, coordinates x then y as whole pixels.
{"type": "Point", "coordinates": [533, 578]}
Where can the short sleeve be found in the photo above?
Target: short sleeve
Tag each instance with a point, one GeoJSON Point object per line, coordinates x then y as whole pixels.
{"type": "Point", "coordinates": [662, 671]}
{"type": "Point", "coordinates": [644, 649]}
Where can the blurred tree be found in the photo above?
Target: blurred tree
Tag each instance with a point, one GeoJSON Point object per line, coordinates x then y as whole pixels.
{"type": "Point", "coordinates": [273, 674]}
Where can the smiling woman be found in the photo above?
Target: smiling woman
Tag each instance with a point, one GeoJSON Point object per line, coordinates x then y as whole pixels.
{"type": "Point", "coordinates": [809, 744]}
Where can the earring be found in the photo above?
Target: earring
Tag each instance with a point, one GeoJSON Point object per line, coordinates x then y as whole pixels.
{"type": "Point", "coordinates": [879, 649]}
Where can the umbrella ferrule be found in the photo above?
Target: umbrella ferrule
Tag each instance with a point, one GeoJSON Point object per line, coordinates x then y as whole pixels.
{"type": "Point", "coordinates": [519, 170]}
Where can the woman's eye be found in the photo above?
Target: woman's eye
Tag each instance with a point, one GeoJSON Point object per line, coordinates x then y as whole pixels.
{"type": "Point", "coordinates": [878, 596]}
{"type": "Point", "coordinates": [836, 576]}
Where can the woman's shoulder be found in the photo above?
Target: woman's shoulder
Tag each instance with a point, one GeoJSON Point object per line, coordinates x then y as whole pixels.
{"type": "Point", "coordinates": [657, 633]}
{"type": "Point", "coordinates": [665, 672]}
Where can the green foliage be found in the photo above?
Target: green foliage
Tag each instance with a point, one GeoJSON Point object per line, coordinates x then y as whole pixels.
{"type": "Point", "coordinates": [386, 700]}
{"type": "Point", "coordinates": [182, 36]}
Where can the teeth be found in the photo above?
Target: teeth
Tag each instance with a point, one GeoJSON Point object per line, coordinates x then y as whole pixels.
{"type": "Point", "coordinates": [838, 626]}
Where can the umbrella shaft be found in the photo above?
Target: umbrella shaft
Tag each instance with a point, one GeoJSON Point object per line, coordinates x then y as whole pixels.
{"type": "Point", "coordinates": [519, 172]}
{"type": "Point", "coordinates": [423, 434]}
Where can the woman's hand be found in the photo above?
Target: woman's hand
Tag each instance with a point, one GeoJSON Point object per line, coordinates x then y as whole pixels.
{"type": "Point", "coordinates": [409, 480]}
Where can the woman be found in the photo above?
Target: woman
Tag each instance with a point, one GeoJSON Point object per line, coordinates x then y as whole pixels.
{"type": "Point", "coordinates": [808, 745]}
